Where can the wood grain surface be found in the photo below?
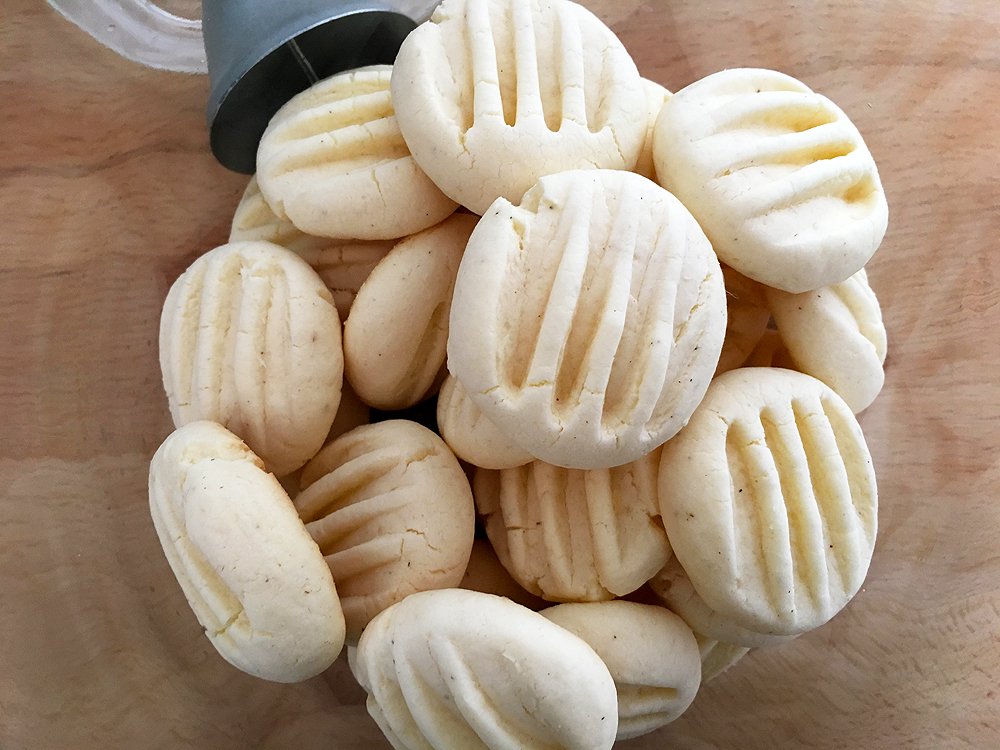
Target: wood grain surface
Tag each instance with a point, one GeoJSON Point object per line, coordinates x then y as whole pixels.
{"type": "Point", "coordinates": [108, 191]}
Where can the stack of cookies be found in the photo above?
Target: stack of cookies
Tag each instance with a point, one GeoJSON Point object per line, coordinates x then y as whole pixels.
{"type": "Point", "coordinates": [647, 326]}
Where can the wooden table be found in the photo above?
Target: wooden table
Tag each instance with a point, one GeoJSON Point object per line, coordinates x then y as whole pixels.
{"type": "Point", "coordinates": [108, 191]}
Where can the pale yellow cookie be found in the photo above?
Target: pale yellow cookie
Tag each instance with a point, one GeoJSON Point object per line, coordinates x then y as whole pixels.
{"type": "Point", "coordinates": [463, 670]}
{"type": "Point", "coordinates": [746, 319]}
{"type": "Point", "coordinates": [396, 335]}
{"type": "Point", "coordinates": [253, 576]}
{"type": "Point", "coordinates": [573, 534]}
{"type": "Point", "coordinates": [717, 657]}
{"type": "Point", "coordinates": [487, 574]}
{"type": "Point", "coordinates": [835, 333]}
{"type": "Point", "coordinates": [493, 94]}
{"type": "Point", "coordinates": [472, 436]}
{"type": "Point", "coordinates": [333, 162]}
{"type": "Point", "coordinates": [650, 652]}
{"type": "Point", "coordinates": [250, 338]}
{"type": "Point", "coordinates": [673, 587]}
{"type": "Point", "coordinates": [587, 322]}
{"type": "Point", "coordinates": [392, 512]}
{"type": "Point", "coordinates": [769, 499]}
{"type": "Point", "coordinates": [777, 175]}
{"type": "Point", "coordinates": [656, 97]}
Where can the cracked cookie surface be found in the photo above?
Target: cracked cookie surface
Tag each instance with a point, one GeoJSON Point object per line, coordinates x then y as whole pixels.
{"type": "Point", "coordinates": [587, 322]}
{"type": "Point", "coordinates": [255, 579]}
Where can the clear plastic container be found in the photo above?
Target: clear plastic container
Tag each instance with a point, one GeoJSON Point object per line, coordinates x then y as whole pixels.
{"type": "Point", "coordinates": [140, 31]}
{"type": "Point", "coordinates": [153, 36]}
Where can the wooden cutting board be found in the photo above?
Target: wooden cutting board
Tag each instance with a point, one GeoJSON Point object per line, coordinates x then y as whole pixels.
{"type": "Point", "coordinates": [108, 191]}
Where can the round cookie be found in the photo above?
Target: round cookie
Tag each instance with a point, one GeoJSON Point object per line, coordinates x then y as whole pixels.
{"type": "Point", "coordinates": [254, 578]}
{"type": "Point", "coordinates": [334, 163]}
{"type": "Point", "coordinates": [587, 322]}
{"type": "Point", "coordinates": [769, 499]}
{"type": "Point", "coordinates": [574, 534]}
{"type": "Point", "coordinates": [396, 335]}
{"type": "Point", "coordinates": [250, 338]}
{"type": "Point", "coordinates": [650, 652]}
{"type": "Point", "coordinates": [835, 333]}
{"type": "Point", "coordinates": [656, 97]}
{"type": "Point", "coordinates": [391, 509]}
{"type": "Point", "coordinates": [463, 670]}
{"type": "Point", "coordinates": [493, 94]}
{"type": "Point", "coordinates": [777, 175]}
{"type": "Point", "coordinates": [473, 437]}
{"type": "Point", "coordinates": [672, 586]}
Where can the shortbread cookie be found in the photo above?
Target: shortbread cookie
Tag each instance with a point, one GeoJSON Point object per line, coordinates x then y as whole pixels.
{"type": "Point", "coordinates": [333, 162]}
{"type": "Point", "coordinates": [656, 97]}
{"type": "Point", "coordinates": [673, 588]}
{"type": "Point", "coordinates": [250, 338]}
{"type": "Point", "coordinates": [835, 333]}
{"type": "Point", "coordinates": [769, 499]}
{"type": "Point", "coordinates": [573, 534]}
{"type": "Point", "coordinates": [487, 574]}
{"type": "Point", "coordinates": [392, 512]}
{"type": "Point", "coordinates": [253, 576]}
{"type": "Point", "coordinates": [462, 670]}
{"type": "Point", "coordinates": [650, 652]}
{"type": "Point", "coordinates": [777, 175]}
{"type": "Point", "coordinates": [396, 335]}
{"type": "Point", "coordinates": [587, 322]}
{"type": "Point", "coordinates": [717, 657]}
{"type": "Point", "coordinates": [493, 94]}
{"type": "Point", "coordinates": [746, 319]}
{"type": "Point", "coordinates": [470, 434]}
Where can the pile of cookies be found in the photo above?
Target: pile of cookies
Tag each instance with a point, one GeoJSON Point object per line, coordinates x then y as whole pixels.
{"type": "Point", "coordinates": [647, 326]}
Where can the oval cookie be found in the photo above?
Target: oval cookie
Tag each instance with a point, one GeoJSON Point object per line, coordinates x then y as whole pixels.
{"type": "Point", "coordinates": [462, 670]}
{"type": "Point", "coordinates": [250, 338]}
{"type": "Point", "coordinates": [587, 322]}
{"type": "Point", "coordinates": [334, 163]}
{"type": "Point", "coordinates": [253, 576]}
{"type": "Point", "coordinates": [835, 333]}
{"type": "Point", "coordinates": [493, 94]}
{"type": "Point", "coordinates": [396, 335]}
{"type": "Point", "coordinates": [392, 512]}
{"type": "Point", "coordinates": [651, 653]}
{"type": "Point", "coordinates": [769, 499]}
{"type": "Point", "coordinates": [777, 175]}
{"type": "Point", "coordinates": [573, 534]}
